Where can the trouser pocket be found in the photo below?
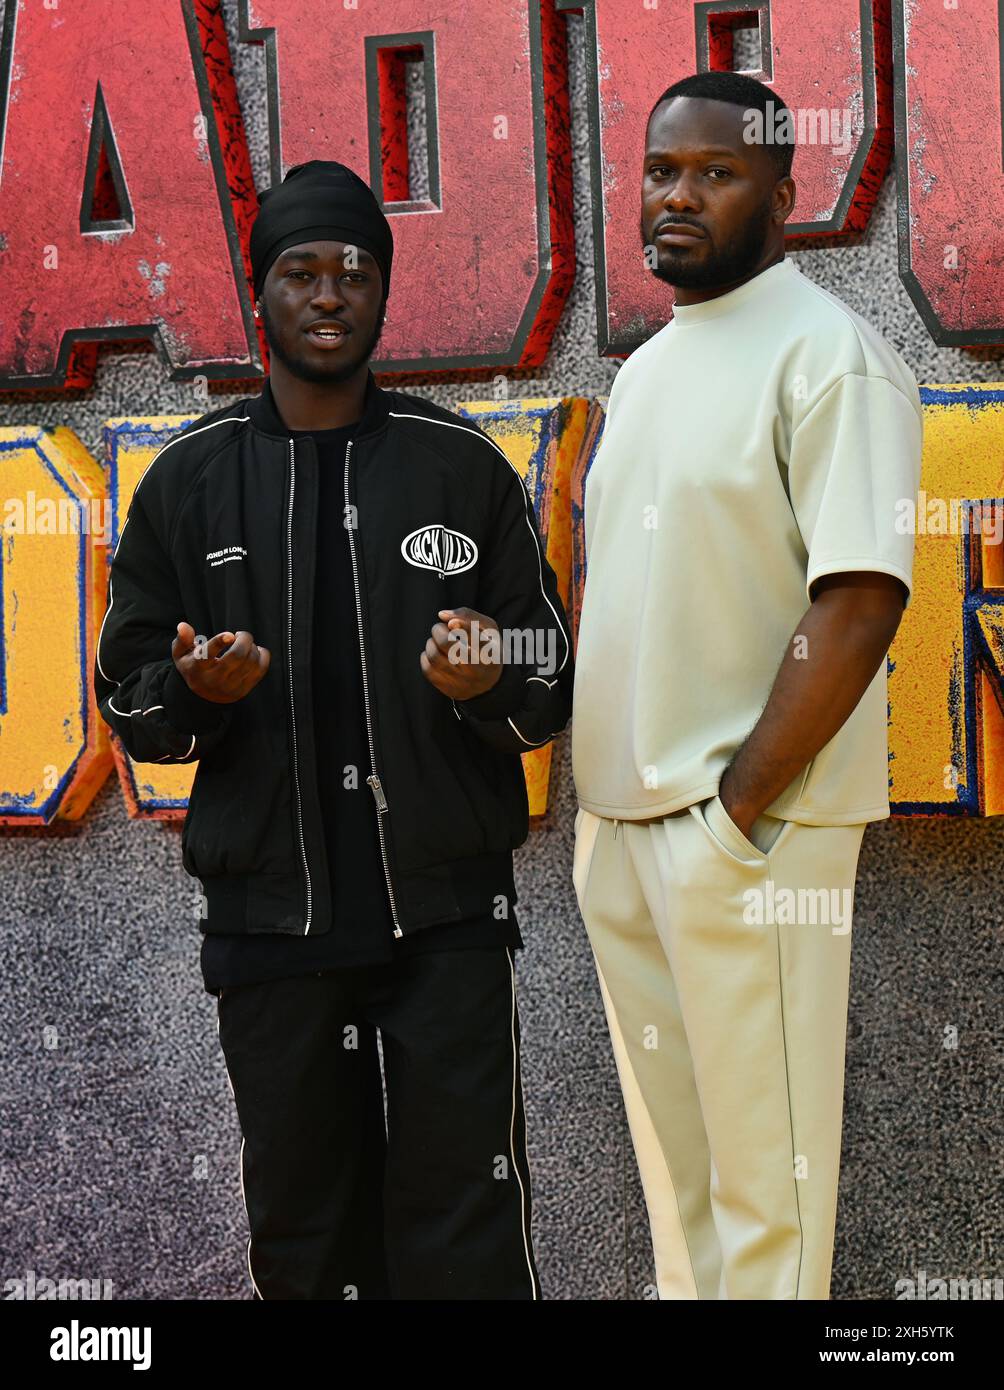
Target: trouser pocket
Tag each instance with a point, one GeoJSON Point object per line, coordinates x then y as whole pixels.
{"type": "Point", "coordinates": [764, 838]}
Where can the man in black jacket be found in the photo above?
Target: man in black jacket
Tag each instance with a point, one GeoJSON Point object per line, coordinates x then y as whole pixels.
{"type": "Point", "coordinates": [387, 639]}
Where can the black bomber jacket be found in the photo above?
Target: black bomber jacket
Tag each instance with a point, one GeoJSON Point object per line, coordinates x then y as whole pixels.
{"type": "Point", "coordinates": [222, 533]}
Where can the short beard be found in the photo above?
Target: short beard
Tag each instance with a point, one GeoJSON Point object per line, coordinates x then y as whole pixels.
{"type": "Point", "coordinates": [736, 261]}
{"type": "Point", "coordinates": [318, 376]}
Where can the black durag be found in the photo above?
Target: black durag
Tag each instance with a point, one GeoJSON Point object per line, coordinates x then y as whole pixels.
{"type": "Point", "coordinates": [319, 201]}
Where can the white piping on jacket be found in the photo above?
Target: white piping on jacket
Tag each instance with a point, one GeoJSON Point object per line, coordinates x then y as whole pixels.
{"type": "Point", "coordinates": [447, 424]}
{"type": "Point", "coordinates": [526, 740]}
{"type": "Point", "coordinates": [228, 420]}
{"type": "Point", "coordinates": [169, 757]}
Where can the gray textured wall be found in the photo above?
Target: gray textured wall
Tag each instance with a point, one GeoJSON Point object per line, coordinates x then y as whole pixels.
{"type": "Point", "coordinates": [103, 1137]}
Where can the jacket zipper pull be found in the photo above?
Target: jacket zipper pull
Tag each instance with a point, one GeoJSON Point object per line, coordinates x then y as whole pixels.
{"type": "Point", "coordinates": [381, 800]}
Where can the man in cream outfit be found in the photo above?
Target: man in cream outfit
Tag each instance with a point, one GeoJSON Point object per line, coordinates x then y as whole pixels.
{"type": "Point", "coordinates": [745, 577]}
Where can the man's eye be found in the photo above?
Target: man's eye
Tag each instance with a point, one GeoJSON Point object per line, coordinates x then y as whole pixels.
{"type": "Point", "coordinates": [726, 173]}
{"type": "Point", "coordinates": [359, 276]}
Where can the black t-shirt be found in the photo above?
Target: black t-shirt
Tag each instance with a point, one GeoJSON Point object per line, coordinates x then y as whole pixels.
{"type": "Point", "coordinates": [362, 928]}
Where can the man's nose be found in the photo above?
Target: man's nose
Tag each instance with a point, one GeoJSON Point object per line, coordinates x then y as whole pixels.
{"type": "Point", "coordinates": [328, 290]}
{"type": "Point", "coordinates": [683, 193]}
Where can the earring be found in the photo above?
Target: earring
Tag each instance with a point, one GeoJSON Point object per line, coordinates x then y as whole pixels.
{"type": "Point", "coordinates": [256, 312]}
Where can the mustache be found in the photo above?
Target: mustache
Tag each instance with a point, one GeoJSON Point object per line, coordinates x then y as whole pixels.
{"type": "Point", "coordinates": [678, 222]}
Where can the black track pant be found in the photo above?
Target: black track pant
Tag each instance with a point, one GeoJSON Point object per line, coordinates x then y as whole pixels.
{"type": "Point", "coordinates": [436, 1205]}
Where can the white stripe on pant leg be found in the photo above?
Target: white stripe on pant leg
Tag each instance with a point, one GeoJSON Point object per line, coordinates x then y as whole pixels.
{"type": "Point", "coordinates": [512, 1125]}
{"type": "Point", "coordinates": [243, 1197]}
{"type": "Point", "coordinates": [674, 1268]}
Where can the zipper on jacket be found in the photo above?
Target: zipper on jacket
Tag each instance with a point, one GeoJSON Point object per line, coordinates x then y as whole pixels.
{"type": "Point", "coordinates": [292, 706]}
{"type": "Point", "coordinates": [373, 780]}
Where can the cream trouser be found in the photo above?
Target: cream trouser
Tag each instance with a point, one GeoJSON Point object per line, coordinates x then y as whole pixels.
{"type": "Point", "coordinates": [723, 966]}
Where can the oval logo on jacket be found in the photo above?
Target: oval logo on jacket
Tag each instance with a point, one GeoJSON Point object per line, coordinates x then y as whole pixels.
{"type": "Point", "coordinates": [440, 549]}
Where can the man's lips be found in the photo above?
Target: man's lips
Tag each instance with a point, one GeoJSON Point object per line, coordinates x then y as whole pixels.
{"type": "Point", "coordinates": [328, 335]}
{"type": "Point", "coordinates": [679, 233]}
